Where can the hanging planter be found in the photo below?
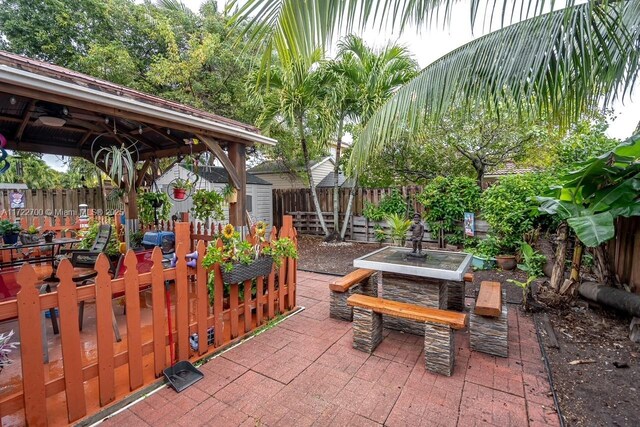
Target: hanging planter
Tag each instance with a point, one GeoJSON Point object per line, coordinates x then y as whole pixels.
{"type": "Point", "coordinates": [230, 194]}
{"type": "Point", "coordinates": [240, 272]}
{"type": "Point", "coordinates": [179, 193]}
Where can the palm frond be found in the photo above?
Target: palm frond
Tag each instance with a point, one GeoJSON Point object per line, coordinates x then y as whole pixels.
{"type": "Point", "coordinates": [298, 27]}
{"type": "Point", "coordinates": [555, 66]}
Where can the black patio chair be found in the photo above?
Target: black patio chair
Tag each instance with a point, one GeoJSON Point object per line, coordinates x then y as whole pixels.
{"type": "Point", "coordinates": [88, 257]}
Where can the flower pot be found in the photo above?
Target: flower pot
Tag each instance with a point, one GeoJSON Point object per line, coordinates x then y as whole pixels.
{"type": "Point", "coordinates": [179, 193]}
{"type": "Point", "coordinates": [232, 197]}
{"type": "Point", "coordinates": [10, 238]}
{"type": "Point", "coordinates": [29, 239]}
{"type": "Point", "coordinates": [481, 263]}
{"type": "Point", "coordinates": [506, 262]}
{"type": "Point", "coordinates": [48, 238]}
{"type": "Point", "coordinates": [240, 272]}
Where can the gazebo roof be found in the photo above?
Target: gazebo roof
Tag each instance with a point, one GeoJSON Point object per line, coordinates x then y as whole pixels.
{"type": "Point", "coordinates": [92, 108]}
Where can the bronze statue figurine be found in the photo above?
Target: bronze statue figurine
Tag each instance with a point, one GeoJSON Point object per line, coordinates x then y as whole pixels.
{"type": "Point", "coordinates": [417, 231]}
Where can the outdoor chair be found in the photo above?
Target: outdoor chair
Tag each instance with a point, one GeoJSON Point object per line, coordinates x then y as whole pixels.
{"type": "Point", "coordinates": [88, 257]}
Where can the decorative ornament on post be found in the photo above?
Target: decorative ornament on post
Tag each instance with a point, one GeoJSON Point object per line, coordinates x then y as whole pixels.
{"type": "Point", "coordinates": [83, 217]}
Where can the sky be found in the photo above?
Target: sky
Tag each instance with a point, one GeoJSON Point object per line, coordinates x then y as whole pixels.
{"type": "Point", "coordinates": [427, 46]}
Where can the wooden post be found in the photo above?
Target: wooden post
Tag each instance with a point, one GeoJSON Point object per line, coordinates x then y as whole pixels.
{"type": "Point", "coordinates": [237, 155]}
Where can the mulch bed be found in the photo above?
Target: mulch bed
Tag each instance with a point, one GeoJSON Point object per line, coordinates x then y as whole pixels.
{"type": "Point", "coordinates": [596, 393]}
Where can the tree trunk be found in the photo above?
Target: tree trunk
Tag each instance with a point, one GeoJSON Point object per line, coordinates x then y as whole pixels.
{"type": "Point", "coordinates": [602, 268]}
{"type": "Point", "coordinates": [312, 185]}
{"type": "Point", "coordinates": [336, 181]}
{"type": "Point", "coordinates": [576, 262]}
{"type": "Point", "coordinates": [347, 213]}
{"type": "Point", "coordinates": [557, 275]}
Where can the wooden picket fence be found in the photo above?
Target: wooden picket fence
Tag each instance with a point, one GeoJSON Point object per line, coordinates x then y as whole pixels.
{"type": "Point", "coordinates": [275, 294]}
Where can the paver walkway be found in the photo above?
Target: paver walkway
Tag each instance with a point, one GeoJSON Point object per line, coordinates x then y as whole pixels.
{"type": "Point", "coordinates": [305, 372]}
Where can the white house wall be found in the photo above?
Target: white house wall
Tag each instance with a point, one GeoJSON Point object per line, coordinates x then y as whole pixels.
{"type": "Point", "coordinates": [282, 181]}
{"type": "Point", "coordinates": [321, 171]}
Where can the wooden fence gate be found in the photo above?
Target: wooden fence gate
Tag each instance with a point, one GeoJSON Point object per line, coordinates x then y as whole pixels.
{"type": "Point", "coordinates": [144, 356]}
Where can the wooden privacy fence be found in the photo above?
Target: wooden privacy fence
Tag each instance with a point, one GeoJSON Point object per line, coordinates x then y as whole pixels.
{"type": "Point", "coordinates": [362, 229]}
{"type": "Point", "coordinates": [624, 252]}
{"type": "Point", "coordinates": [54, 203]}
{"type": "Point", "coordinates": [144, 359]}
{"type": "Point", "coordinates": [299, 199]}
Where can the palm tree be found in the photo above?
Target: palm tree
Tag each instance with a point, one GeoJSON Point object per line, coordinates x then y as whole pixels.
{"type": "Point", "coordinates": [556, 65]}
{"type": "Point", "coordinates": [292, 97]}
{"type": "Point", "coordinates": [363, 79]}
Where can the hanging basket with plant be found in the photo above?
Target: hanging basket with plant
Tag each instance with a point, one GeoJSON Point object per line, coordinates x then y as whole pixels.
{"type": "Point", "coordinates": [230, 194]}
{"type": "Point", "coordinates": [151, 204]}
{"type": "Point", "coordinates": [181, 188]}
{"type": "Point", "coordinates": [207, 204]}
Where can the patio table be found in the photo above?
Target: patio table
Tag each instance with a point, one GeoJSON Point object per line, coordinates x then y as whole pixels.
{"type": "Point", "coordinates": [50, 257]}
{"type": "Point", "coordinates": [435, 280]}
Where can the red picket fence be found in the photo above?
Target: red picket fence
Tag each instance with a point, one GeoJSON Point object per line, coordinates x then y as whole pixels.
{"type": "Point", "coordinates": [144, 358]}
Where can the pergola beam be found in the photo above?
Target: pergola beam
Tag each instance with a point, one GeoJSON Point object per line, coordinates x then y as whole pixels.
{"type": "Point", "coordinates": [25, 119]}
{"type": "Point", "coordinates": [215, 148]}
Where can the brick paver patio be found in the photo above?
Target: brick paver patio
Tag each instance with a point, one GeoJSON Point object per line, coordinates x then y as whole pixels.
{"type": "Point", "coordinates": [304, 372]}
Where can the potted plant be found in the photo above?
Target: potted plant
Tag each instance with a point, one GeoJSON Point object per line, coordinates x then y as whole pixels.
{"type": "Point", "coordinates": [180, 188]}
{"type": "Point", "coordinates": [9, 231]}
{"type": "Point", "coordinates": [48, 236]}
{"type": "Point", "coordinates": [399, 227]}
{"type": "Point", "coordinates": [30, 235]}
{"type": "Point", "coordinates": [5, 348]}
{"type": "Point", "coordinates": [153, 205]}
{"type": "Point", "coordinates": [230, 193]}
{"type": "Point", "coordinates": [240, 260]}
{"type": "Point", "coordinates": [207, 204]}
{"type": "Point", "coordinates": [484, 253]}
{"type": "Point", "coordinates": [506, 258]}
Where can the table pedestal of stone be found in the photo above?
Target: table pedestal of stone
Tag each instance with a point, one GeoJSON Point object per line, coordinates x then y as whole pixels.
{"type": "Point", "coordinates": [428, 292]}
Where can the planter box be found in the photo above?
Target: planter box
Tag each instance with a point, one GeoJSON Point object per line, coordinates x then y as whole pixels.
{"type": "Point", "coordinates": [260, 267]}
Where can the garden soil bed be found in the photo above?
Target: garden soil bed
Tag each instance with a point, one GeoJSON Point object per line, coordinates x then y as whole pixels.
{"type": "Point", "coordinates": [595, 392]}
{"type": "Point", "coordinates": [590, 394]}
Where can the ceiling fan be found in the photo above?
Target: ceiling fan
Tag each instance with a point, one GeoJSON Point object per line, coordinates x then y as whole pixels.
{"type": "Point", "coordinates": [50, 114]}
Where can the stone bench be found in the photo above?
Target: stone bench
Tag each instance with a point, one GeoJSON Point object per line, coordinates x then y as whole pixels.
{"type": "Point", "coordinates": [361, 281]}
{"type": "Point", "coordinates": [488, 325]}
{"type": "Point", "coordinates": [439, 347]}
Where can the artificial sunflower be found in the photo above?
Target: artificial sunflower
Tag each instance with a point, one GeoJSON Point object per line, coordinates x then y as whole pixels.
{"type": "Point", "coordinates": [261, 228]}
{"type": "Point", "coordinates": [228, 231]}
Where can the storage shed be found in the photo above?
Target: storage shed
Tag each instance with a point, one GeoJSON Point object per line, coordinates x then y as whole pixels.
{"type": "Point", "coordinates": [258, 199]}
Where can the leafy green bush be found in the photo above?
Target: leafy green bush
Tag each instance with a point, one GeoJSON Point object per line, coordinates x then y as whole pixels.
{"type": "Point", "coordinates": [509, 208]}
{"type": "Point", "coordinates": [390, 204]}
{"type": "Point", "coordinates": [447, 199]}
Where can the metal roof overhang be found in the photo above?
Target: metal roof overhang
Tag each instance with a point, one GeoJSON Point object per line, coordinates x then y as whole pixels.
{"type": "Point", "coordinates": [43, 88]}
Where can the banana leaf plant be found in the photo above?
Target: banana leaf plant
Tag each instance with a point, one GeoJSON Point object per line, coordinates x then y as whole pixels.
{"type": "Point", "coordinates": [589, 199]}
{"type": "Point", "coordinates": [597, 192]}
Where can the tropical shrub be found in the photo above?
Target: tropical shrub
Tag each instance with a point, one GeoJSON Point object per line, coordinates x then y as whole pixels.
{"type": "Point", "coordinates": [390, 204]}
{"type": "Point", "coordinates": [447, 199]}
{"type": "Point", "coordinates": [399, 227]}
{"type": "Point", "coordinates": [510, 208]}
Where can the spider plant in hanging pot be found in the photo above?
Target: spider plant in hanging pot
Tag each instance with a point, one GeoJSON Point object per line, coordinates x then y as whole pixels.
{"type": "Point", "coordinates": [180, 188]}
{"type": "Point", "coordinates": [118, 163]}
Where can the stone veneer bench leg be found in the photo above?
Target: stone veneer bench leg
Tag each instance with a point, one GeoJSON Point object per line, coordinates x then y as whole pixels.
{"type": "Point", "coordinates": [439, 348]}
{"type": "Point", "coordinates": [338, 308]}
{"type": "Point", "coordinates": [489, 334]}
